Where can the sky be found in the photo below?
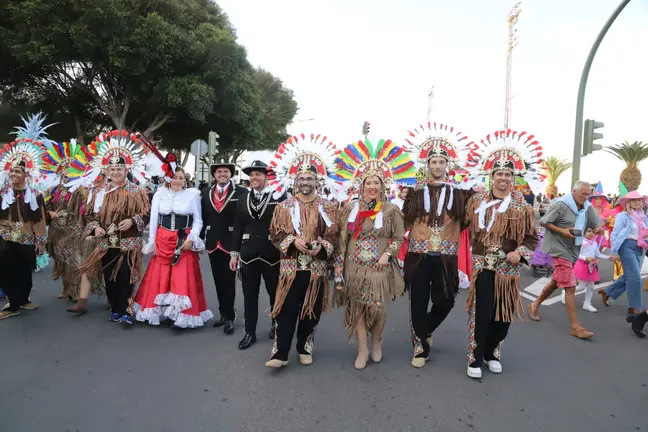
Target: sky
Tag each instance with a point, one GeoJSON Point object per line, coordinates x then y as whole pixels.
{"type": "Point", "coordinates": [348, 61]}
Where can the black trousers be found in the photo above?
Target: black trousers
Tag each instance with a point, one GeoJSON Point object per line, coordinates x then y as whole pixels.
{"type": "Point", "coordinates": [488, 332]}
{"type": "Point", "coordinates": [288, 318]}
{"type": "Point", "coordinates": [17, 262]}
{"type": "Point", "coordinates": [251, 280]}
{"type": "Point", "coordinates": [427, 285]}
{"type": "Point", "coordinates": [225, 281]}
{"type": "Point", "coordinates": [120, 289]}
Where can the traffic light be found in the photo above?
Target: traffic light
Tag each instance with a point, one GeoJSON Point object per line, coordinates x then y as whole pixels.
{"type": "Point", "coordinates": [365, 128]}
{"type": "Point", "coordinates": [589, 136]}
{"type": "Point", "coordinates": [213, 143]}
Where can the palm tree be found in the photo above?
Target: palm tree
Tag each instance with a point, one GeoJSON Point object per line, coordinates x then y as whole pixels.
{"type": "Point", "coordinates": [554, 168]}
{"type": "Point", "coordinates": [632, 154]}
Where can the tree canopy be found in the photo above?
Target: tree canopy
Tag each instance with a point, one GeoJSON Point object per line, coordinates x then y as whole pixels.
{"type": "Point", "coordinates": [172, 69]}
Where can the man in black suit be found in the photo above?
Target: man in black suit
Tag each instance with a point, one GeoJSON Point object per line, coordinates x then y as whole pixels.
{"type": "Point", "coordinates": [251, 246]}
{"type": "Point", "coordinates": [218, 213]}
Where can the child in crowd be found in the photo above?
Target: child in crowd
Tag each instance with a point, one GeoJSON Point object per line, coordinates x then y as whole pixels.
{"type": "Point", "coordinates": [586, 268]}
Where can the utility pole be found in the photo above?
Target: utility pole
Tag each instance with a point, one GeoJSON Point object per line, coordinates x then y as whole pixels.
{"type": "Point", "coordinates": [430, 97]}
{"type": "Point", "coordinates": [580, 102]}
{"type": "Point", "coordinates": [512, 20]}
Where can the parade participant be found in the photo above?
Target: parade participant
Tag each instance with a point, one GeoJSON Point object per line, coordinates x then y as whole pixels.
{"type": "Point", "coordinates": [565, 222]}
{"type": "Point", "coordinates": [629, 241]}
{"type": "Point", "coordinates": [218, 214]}
{"type": "Point", "coordinates": [434, 214]}
{"type": "Point", "coordinates": [65, 161]}
{"type": "Point", "coordinates": [502, 225]}
{"type": "Point", "coordinates": [371, 234]}
{"type": "Point", "coordinates": [85, 245]}
{"type": "Point", "coordinates": [119, 213]}
{"type": "Point", "coordinates": [303, 229]}
{"type": "Point", "coordinates": [172, 286]}
{"type": "Point", "coordinates": [253, 250]}
{"type": "Point", "coordinates": [601, 204]}
{"type": "Point", "coordinates": [22, 221]}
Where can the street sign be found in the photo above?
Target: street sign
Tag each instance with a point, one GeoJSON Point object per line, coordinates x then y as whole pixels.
{"type": "Point", "coordinates": [199, 148]}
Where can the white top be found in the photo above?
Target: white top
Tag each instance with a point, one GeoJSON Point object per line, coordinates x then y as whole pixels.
{"type": "Point", "coordinates": [398, 202]}
{"type": "Point", "coordinates": [634, 231]}
{"type": "Point", "coordinates": [184, 202]}
{"type": "Point", "coordinates": [590, 249]}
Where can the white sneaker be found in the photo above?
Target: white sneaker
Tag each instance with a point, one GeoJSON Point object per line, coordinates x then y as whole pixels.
{"type": "Point", "coordinates": [475, 373]}
{"type": "Point", "coordinates": [494, 366]}
{"type": "Point", "coordinates": [589, 308]}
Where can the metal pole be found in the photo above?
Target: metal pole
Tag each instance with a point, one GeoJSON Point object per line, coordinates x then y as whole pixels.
{"type": "Point", "coordinates": [580, 102]}
{"type": "Point", "coordinates": [197, 168]}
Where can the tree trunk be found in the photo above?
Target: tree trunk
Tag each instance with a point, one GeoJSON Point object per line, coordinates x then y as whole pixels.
{"type": "Point", "coordinates": [79, 130]}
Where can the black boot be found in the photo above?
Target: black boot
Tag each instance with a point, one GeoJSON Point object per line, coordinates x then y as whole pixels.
{"type": "Point", "coordinates": [247, 341]}
{"type": "Point", "coordinates": [638, 322]}
{"type": "Point", "coordinates": [273, 329]}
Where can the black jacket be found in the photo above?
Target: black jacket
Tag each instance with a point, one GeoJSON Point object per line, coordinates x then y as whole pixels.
{"type": "Point", "coordinates": [219, 226]}
{"type": "Point", "coordinates": [252, 230]}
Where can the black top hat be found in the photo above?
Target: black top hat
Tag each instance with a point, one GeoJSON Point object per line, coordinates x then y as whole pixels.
{"type": "Point", "coordinates": [256, 165]}
{"type": "Point", "coordinates": [222, 164]}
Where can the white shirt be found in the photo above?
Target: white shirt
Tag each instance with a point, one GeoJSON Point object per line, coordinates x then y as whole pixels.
{"type": "Point", "coordinates": [590, 249]}
{"type": "Point", "coordinates": [634, 231]}
{"type": "Point", "coordinates": [184, 202]}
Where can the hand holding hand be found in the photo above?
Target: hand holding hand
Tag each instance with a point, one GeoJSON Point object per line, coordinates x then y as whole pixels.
{"type": "Point", "coordinates": [233, 263]}
{"type": "Point", "coordinates": [186, 245]}
{"type": "Point", "coordinates": [300, 244]}
{"type": "Point", "coordinates": [384, 259]}
{"type": "Point", "coordinates": [317, 247]}
{"type": "Point", "coordinates": [125, 225]}
{"type": "Point", "coordinates": [513, 257]}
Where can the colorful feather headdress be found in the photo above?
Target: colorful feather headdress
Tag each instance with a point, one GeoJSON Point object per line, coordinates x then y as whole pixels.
{"type": "Point", "coordinates": [301, 153]}
{"type": "Point", "coordinates": [517, 152]}
{"type": "Point", "coordinates": [33, 129]}
{"type": "Point", "coordinates": [437, 140]}
{"type": "Point", "coordinates": [386, 160]}
{"type": "Point", "coordinates": [67, 160]}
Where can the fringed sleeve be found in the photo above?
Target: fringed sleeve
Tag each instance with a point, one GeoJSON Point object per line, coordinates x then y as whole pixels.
{"type": "Point", "coordinates": [344, 234]}
{"type": "Point", "coordinates": [397, 230]}
{"type": "Point", "coordinates": [530, 240]}
{"type": "Point", "coordinates": [330, 239]}
{"type": "Point", "coordinates": [40, 227]}
{"type": "Point", "coordinates": [281, 230]}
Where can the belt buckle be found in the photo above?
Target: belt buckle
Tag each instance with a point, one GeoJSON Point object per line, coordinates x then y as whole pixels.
{"type": "Point", "coordinates": [435, 239]}
{"type": "Point", "coordinates": [491, 258]}
{"type": "Point", "coordinates": [16, 231]}
{"type": "Point", "coordinates": [304, 261]}
{"type": "Point", "coordinates": [113, 237]}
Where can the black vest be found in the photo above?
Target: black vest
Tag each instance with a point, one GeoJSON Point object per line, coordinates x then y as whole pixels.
{"type": "Point", "coordinates": [252, 228]}
{"type": "Point", "coordinates": [218, 226]}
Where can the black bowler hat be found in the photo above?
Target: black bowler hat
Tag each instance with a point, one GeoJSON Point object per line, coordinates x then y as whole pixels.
{"type": "Point", "coordinates": [257, 165]}
{"type": "Point", "coordinates": [222, 164]}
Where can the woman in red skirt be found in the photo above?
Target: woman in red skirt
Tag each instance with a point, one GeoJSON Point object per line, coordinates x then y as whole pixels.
{"type": "Point", "coordinates": [172, 285]}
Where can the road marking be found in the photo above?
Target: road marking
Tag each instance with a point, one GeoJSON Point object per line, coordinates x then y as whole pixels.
{"type": "Point", "coordinates": [534, 290]}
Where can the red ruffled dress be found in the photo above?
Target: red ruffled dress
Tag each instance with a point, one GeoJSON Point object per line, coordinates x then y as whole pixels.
{"type": "Point", "coordinates": [172, 286]}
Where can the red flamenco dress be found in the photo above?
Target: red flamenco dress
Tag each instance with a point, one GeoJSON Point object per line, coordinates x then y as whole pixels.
{"type": "Point", "coordinates": [172, 286]}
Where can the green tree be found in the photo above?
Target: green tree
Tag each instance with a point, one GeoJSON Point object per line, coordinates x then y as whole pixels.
{"type": "Point", "coordinates": [172, 69]}
{"type": "Point", "coordinates": [632, 154]}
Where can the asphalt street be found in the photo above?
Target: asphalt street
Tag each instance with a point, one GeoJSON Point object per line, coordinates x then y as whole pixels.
{"type": "Point", "coordinates": [60, 373]}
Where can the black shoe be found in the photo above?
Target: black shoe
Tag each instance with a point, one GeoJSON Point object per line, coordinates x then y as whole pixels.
{"type": "Point", "coordinates": [247, 341]}
{"type": "Point", "coordinates": [273, 330]}
{"type": "Point", "coordinates": [638, 323]}
{"type": "Point", "coordinates": [228, 327]}
{"type": "Point", "coordinates": [220, 322]}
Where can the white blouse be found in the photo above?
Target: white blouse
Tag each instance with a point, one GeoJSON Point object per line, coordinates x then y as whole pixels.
{"type": "Point", "coordinates": [590, 249]}
{"type": "Point", "coordinates": [184, 202]}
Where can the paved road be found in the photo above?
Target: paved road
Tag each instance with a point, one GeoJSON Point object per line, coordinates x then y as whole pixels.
{"type": "Point", "coordinates": [59, 373]}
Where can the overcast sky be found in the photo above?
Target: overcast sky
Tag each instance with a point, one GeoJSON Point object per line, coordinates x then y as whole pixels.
{"type": "Point", "coordinates": [353, 60]}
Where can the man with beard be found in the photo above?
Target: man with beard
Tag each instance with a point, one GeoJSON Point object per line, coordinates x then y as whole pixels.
{"type": "Point", "coordinates": [303, 229]}
{"type": "Point", "coordinates": [22, 223]}
{"type": "Point", "coordinates": [251, 245]}
{"type": "Point", "coordinates": [434, 214]}
{"type": "Point", "coordinates": [502, 225]}
{"type": "Point", "coordinates": [218, 214]}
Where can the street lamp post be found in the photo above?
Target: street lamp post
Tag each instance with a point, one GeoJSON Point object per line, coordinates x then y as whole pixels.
{"type": "Point", "coordinates": [580, 102]}
{"type": "Point", "coordinates": [513, 18]}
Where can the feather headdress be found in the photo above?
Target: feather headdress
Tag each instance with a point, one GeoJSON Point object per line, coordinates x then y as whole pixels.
{"type": "Point", "coordinates": [517, 152]}
{"type": "Point", "coordinates": [300, 153]}
{"type": "Point", "coordinates": [386, 160]}
{"type": "Point", "coordinates": [33, 129]}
